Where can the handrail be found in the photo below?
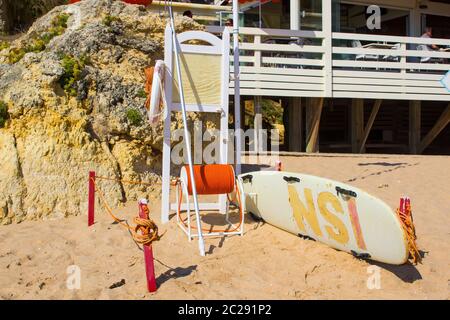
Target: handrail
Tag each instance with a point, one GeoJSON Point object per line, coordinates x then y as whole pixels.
{"type": "Point", "coordinates": [269, 32]}
{"type": "Point", "coordinates": [372, 37]}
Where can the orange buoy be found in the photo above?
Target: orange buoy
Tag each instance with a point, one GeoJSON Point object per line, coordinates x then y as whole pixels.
{"type": "Point", "coordinates": [210, 178]}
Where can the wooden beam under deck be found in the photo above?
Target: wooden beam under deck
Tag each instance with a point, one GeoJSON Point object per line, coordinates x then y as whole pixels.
{"type": "Point", "coordinates": [441, 123]}
{"type": "Point", "coordinates": [313, 114]}
{"type": "Point", "coordinates": [295, 124]}
{"type": "Point", "coordinates": [369, 124]}
{"type": "Point", "coordinates": [414, 125]}
{"type": "Point", "coordinates": [357, 124]}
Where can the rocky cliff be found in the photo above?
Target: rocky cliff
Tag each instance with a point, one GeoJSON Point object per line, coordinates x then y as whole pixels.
{"type": "Point", "coordinates": [16, 15]}
{"type": "Point", "coordinates": [72, 95]}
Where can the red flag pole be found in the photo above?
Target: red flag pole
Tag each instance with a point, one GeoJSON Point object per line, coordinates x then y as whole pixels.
{"type": "Point", "coordinates": [91, 198]}
{"type": "Point", "coordinates": [148, 252]}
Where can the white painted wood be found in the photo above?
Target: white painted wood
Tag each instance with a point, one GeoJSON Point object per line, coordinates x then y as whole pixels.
{"type": "Point", "coordinates": [386, 75]}
{"type": "Point", "coordinates": [387, 82]}
{"type": "Point", "coordinates": [269, 32]}
{"type": "Point", "coordinates": [279, 93]}
{"type": "Point", "coordinates": [281, 47]}
{"type": "Point", "coordinates": [392, 52]}
{"type": "Point", "coordinates": [244, 59]}
{"type": "Point", "coordinates": [270, 197]}
{"type": "Point", "coordinates": [280, 78]}
{"type": "Point", "coordinates": [257, 53]}
{"type": "Point", "coordinates": [205, 36]}
{"type": "Point", "coordinates": [393, 39]}
{"type": "Point", "coordinates": [392, 89]}
{"type": "Point", "coordinates": [189, 48]}
{"type": "Point", "coordinates": [293, 61]}
{"type": "Point", "coordinates": [294, 14]}
{"type": "Point", "coordinates": [198, 108]}
{"type": "Point", "coordinates": [390, 65]}
{"type": "Point", "coordinates": [218, 47]}
{"type": "Point", "coordinates": [328, 46]}
{"type": "Point", "coordinates": [279, 71]}
{"type": "Point", "coordinates": [257, 124]}
{"type": "Point", "coordinates": [281, 85]}
{"type": "Point", "coordinates": [391, 96]}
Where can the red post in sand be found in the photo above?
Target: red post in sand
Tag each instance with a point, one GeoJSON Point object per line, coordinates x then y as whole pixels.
{"type": "Point", "coordinates": [278, 165]}
{"type": "Point", "coordinates": [91, 198]}
{"type": "Point", "coordinates": [148, 252]}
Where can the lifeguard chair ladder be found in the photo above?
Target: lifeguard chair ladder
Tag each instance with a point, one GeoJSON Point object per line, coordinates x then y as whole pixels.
{"type": "Point", "coordinates": [205, 68]}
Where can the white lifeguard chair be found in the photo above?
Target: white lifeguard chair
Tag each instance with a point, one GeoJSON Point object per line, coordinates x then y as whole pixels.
{"type": "Point", "coordinates": [205, 68]}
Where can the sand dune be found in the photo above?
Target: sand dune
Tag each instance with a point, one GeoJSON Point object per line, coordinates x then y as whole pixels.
{"type": "Point", "coordinates": [266, 263]}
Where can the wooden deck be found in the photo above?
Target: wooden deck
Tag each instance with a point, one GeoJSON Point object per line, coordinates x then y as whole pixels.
{"type": "Point", "coordinates": [289, 63]}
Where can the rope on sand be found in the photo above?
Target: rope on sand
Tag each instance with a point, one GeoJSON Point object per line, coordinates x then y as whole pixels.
{"type": "Point", "coordinates": [406, 219]}
{"type": "Point", "coordinates": [145, 231]}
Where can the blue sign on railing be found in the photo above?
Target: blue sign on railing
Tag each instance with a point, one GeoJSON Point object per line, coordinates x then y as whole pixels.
{"type": "Point", "coordinates": [446, 81]}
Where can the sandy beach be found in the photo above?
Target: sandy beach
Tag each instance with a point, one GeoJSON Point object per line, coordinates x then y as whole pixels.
{"type": "Point", "coordinates": [266, 263]}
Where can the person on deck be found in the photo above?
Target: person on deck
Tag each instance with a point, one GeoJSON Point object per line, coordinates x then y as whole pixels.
{"type": "Point", "coordinates": [429, 34]}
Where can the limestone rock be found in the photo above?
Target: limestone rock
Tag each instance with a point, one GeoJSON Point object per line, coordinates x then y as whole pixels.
{"type": "Point", "coordinates": [53, 139]}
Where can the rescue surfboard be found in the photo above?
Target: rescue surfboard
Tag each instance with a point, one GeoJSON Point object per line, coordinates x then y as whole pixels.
{"type": "Point", "coordinates": [341, 216]}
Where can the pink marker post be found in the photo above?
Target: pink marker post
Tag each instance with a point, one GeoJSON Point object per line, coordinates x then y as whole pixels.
{"type": "Point", "coordinates": [148, 252]}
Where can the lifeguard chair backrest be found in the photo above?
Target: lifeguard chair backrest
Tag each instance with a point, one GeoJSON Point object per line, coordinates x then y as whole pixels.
{"type": "Point", "coordinates": [205, 69]}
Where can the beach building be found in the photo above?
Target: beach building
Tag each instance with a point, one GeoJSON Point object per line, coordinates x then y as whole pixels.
{"type": "Point", "coordinates": [342, 76]}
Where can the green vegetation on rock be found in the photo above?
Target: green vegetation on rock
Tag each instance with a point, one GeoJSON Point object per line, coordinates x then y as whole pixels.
{"type": "Point", "coordinates": [142, 94]}
{"type": "Point", "coordinates": [108, 20]}
{"type": "Point", "coordinates": [73, 68]}
{"type": "Point", "coordinates": [4, 45]}
{"type": "Point", "coordinates": [3, 114]}
{"type": "Point", "coordinates": [39, 44]}
{"type": "Point", "coordinates": [15, 55]}
{"type": "Point", "coordinates": [134, 117]}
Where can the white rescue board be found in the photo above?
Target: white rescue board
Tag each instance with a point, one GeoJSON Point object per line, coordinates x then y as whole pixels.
{"type": "Point", "coordinates": [341, 216]}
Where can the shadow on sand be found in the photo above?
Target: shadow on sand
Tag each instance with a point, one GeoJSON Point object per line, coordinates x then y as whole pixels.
{"type": "Point", "coordinates": [383, 164]}
{"type": "Point", "coordinates": [406, 272]}
{"type": "Point", "coordinates": [175, 273]}
{"type": "Point", "coordinates": [253, 167]}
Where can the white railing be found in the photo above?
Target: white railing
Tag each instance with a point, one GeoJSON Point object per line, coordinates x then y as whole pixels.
{"type": "Point", "coordinates": [278, 62]}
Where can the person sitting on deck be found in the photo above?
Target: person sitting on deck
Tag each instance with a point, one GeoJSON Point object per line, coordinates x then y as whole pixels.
{"type": "Point", "coordinates": [428, 34]}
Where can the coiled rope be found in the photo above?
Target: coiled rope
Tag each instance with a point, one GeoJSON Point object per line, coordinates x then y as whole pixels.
{"type": "Point", "coordinates": [406, 219]}
{"type": "Point", "coordinates": [145, 231]}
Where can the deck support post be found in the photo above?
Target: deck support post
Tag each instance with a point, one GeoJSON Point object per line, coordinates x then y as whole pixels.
{"type": "Point", "coordinates": [357, 124]}
{"type": "Point", "coordinates": [369, 124]}
{"type": "Point", "coordinates": [257, 124]}
{"type": "Point", "coordinates": [313, 114]}
{"type": "Point", "coordinates": [295, 14]}
{"type": "Point", "coordinates": [414, 125]}
{"type": "Point", "coordinates": [440, 124]}
{"type": "Point", "coordinates": [295, 124]}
